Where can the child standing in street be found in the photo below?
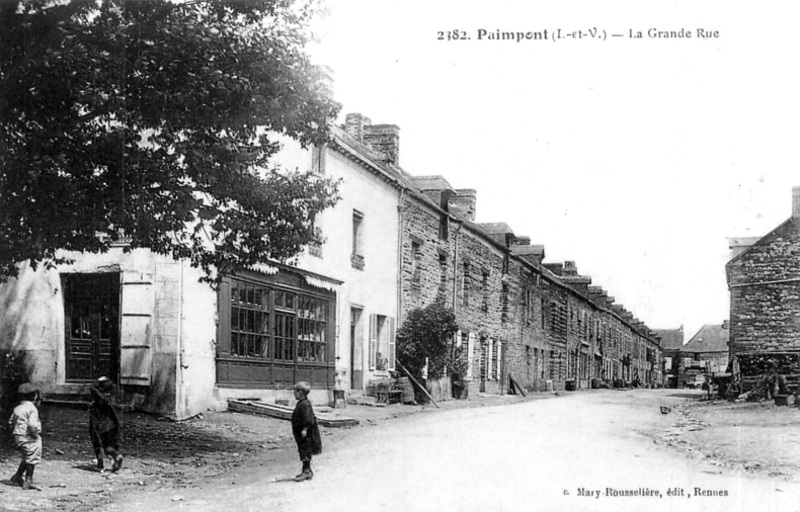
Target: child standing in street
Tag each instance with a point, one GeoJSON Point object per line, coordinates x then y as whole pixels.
{"type": "Point", "coordinates": [26, 429]}
{"type": "Point", "coordinates": [305, 430]}
{"type": "Point", "coordinates": [105, 427]}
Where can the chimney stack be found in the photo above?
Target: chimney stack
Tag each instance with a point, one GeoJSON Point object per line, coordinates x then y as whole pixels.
{"type": "Point", "coordinates": [355, 124]}
{"type": "Point", "coordinates": [795, 202]}
{"type": "Point", "coordinates": [385, 139]}
{"type": "Point", "coordinates": [464, 200]}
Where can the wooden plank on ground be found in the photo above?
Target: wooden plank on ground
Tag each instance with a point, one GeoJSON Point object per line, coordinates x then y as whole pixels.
{"type": "Point", "coordinates": [285, 413]}
{"type": "Point", "coordinates": [514, 384]}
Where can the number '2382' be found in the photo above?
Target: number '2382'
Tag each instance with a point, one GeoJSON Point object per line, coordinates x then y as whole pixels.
{"type": "Point", "coordinates": [452, 35]}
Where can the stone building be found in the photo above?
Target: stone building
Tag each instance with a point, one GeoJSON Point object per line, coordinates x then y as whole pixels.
{"type": "Point", "coordinates": [541, 324]}
{"type": "Point", "coordinates": [393, 243]}
{"type": "Point", "coordinates": [705, 355]}
{"type": "Point", "coordinates": [764, 282]}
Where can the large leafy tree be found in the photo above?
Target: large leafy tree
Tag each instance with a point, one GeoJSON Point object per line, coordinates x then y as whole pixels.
{"type": "Point", "coordinates": [154, 120]}
{"type": "Point", "coordinates": [427, 336]}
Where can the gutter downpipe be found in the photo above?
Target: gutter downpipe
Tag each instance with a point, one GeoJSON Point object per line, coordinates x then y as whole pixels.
{"type": "Point", "coordinates": [455, 291]}
{"type": "Point", "coordinates": [400, 211]}
{"type": "Point", "coordinates": [455, 271]}
{"type": "Point", "coordinates": [180, 395]}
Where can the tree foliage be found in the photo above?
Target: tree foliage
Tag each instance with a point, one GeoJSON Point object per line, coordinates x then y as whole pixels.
{"type": "Point", "coordinates": [153, 121]}
{"type": "Point", "coordinates": [427, 333]}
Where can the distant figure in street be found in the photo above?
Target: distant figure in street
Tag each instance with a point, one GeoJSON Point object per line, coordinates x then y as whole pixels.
{"type": "Point", "coordinates": [26, 429]}
{"type": "Point", "coordinates": [305, 430]}
{"type": "Point", "coordinates": [105, 428]}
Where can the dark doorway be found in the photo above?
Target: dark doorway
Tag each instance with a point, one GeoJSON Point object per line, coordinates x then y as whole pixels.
{"type": "Point", "coordinates": [91, 324]}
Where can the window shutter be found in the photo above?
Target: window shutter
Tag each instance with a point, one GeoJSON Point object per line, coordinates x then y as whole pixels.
{"type": "Point", "coordinates": [470, 353]}
{"type": "Point", "coordinates": [391, 344]}
{"type": "Point", "coordinates": [224, 317]}
{"type": "Point", "coordinates": [138, 304]}
{"type": "Point", "coordinates": [318, 158]}
{"type": "Point", "coordinates": [373, 340]}
{"type": "Point", "coordinates": [489, 354]}
{"type": "Point", "coordinates": [499, 359]}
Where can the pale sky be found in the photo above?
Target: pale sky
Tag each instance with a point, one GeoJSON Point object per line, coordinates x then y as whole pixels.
{"type": "Point", "coordinates": [635, 158]}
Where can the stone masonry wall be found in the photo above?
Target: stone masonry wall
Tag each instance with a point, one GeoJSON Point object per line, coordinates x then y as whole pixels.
{"type": "Point", "coordinates": [765, 293]}
{"type": "Point", "coordinates": [543, 327]}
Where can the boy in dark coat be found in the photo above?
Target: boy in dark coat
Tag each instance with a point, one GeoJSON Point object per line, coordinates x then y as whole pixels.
{"type": "Point", "coordinates": [105, 427]}
{"type": "Point", "coordinates": [26, 429]}
{"type": "Point", "coordinates": [305, 430]}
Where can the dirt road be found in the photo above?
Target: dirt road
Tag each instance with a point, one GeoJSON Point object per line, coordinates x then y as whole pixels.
{"type": "Point", "coordinates": [587, 451]}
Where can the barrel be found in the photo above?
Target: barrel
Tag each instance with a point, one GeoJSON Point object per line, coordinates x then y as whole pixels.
{"type": "Point", "coordinates": [404, 383]}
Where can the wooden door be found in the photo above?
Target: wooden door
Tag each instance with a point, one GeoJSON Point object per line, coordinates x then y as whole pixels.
{"type": "Point", "coordinates": [91, 321]}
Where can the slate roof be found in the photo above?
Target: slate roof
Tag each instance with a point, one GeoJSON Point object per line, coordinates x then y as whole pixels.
{"type": "Point", "coordinates": [431, 183]}
{"type": "Point", "coordinates": [495, 228]}
{"type": "Point", "coordinates": [524, 250]}
{"type": "Point", "coordinates": [671, 339]}
{"type": "Point", "coordinates": [710, 338]}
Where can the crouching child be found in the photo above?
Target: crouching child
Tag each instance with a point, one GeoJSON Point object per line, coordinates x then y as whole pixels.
{"type": "Point", "coordinates": [105, 427]}
{"type": "Point", "coordinates": [26, 429]}
{"type": "Point", "coordinates": [305, 430]}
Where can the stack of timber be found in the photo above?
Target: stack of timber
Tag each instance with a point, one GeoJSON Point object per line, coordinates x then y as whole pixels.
{"type": "Point", "coordinates": [255, 406]}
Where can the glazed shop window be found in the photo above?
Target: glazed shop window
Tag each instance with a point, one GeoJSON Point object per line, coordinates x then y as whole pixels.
{"type": "Point", "coordinates": [312, 326]}
{"type": "Point", "coordinates": [273, 323]}
{"type": "Point", "coordinates": [249, 320]}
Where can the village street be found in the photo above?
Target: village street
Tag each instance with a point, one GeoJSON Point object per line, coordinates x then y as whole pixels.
{"type": "Point", "coordinates": [554, 454]}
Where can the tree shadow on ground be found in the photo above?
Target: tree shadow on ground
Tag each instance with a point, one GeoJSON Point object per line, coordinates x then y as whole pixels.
{"type": "Point", "coordinates": [66, 436]}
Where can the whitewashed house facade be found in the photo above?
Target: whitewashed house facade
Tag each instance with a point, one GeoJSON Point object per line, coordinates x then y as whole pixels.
{"type": "Point", "coordinates": [178, 347]}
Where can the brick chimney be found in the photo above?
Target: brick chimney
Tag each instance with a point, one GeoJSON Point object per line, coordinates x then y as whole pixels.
{"type": "Point", "coordinates": [354, 125]}
{"type": "Point", "coordinates": [795, 202]}
{"type": "Point", "coordinates": [464, 201]}
{"type": "Point", "coordinates": [385, 139]}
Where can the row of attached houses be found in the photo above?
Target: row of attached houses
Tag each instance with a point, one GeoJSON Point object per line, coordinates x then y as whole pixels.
{"type": "Point", "coordinates": [394, 242]}
{"type": "Point", "coordinates": [764, 282]}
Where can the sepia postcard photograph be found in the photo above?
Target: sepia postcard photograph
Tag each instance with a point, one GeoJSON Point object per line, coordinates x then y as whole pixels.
{"type": "Point", "coordinates": [385, 255]}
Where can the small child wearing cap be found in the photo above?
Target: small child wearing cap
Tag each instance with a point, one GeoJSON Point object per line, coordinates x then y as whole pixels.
{"type": "Point", "coordinates": [305, 430]}
{"type": "Point", "coordinates": [26, 429]}
{"type": "Point", "coordinates": [105, 427]}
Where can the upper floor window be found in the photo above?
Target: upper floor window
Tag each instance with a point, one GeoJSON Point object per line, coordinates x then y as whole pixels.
{"type": "Point", "coordinates": [504, 300]}
{"type": "Point", "coordinates": [485, 290]}
{"type": "Point", "coordinates": [442, 270]}
{"type": "Point", "coordinates": [357, 257]}
{"type": "Point", "coordinates": [465, 286]}
{"type": "Point", "coordinates": [543, 316]}
{"type": "Point", "coordinates": [416, 269]}
{"type": "Point", "coordinates": [318, 153]}
{"type": "Point", "coordinates": [315, 247]}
